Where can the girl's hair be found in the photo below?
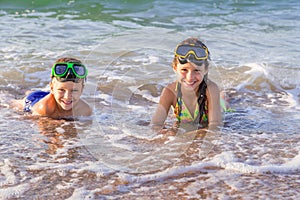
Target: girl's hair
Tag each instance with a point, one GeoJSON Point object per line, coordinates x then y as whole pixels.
{"type": "Point", "coordinates": [202, 98]}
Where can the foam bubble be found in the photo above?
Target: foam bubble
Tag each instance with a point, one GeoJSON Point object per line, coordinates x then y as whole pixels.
{"type": "Point", "coordinates": [228, 161]}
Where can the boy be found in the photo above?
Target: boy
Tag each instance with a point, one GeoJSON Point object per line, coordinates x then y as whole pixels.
{"type": "Point", "coordinates": [66, 86]}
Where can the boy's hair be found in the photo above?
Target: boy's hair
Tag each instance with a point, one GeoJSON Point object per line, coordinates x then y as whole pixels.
{"type": "Point", "coordinates": [68, 59]}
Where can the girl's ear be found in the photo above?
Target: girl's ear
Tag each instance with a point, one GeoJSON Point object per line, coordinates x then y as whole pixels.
{"type": "Point", "coordinates": [174, 66]}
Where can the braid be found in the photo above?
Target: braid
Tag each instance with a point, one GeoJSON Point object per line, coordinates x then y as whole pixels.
{"type": "Point", "coordinates": [179, 102]}
{"type": "Point", "coordinates": [202, 99]}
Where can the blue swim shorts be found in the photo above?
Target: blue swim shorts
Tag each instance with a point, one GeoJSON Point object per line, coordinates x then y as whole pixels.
{"type": "Point", "coordinates": [33, 98]}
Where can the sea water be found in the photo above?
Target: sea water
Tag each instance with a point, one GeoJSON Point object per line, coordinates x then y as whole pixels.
{"type": "Point", "coordinates": [128, 49]}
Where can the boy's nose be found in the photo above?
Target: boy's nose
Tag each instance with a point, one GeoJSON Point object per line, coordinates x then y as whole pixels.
{"type": "Point", "coordinates": [68, 95]}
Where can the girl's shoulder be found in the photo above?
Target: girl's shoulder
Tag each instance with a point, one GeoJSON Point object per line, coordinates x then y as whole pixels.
{"type": "Point", "coordinates": [169, 95]}
{"type": "Point", "coordinates": [212, 86]}
{"type": "Point", "coordinates": [213, 91]}
{"type": "Point", "coordinates": [171, 86]}
{"type": "Point", "coordinates": [171, 89]}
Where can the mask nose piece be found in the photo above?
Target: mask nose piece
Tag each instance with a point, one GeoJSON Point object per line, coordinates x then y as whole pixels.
{"type": "Point", "coordinates": [191, 58]}
{"type": "Point", "coordinates": [70, 74]}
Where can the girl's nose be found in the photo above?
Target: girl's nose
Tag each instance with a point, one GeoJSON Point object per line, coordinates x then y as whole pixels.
{"type": "Point", "coordinates": [190, 76]}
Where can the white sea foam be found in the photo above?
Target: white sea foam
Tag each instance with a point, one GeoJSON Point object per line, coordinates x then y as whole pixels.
{"type": "Point", "coordinates": [126, 24]}
{"type": "Point", "coordinates": [226, 161]}
{"type": "Point", "coordinates": [82, 193]}
{"type": "Point", "coordinates": [10, 186]}
{"type": "Point", "coordinates": [6, 169]}
{"type": "Point", "coordinates": [13, 191]}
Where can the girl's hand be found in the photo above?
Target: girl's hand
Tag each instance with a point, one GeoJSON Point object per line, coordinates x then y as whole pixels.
{"type": "Point", "coordinates": [168, 132]}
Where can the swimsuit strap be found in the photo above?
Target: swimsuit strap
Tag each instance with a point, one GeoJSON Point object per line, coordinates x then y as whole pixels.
{"type": "Point", "coordinates": [200, 98]}
{"type": "Point", "coordinates": [178, 107]}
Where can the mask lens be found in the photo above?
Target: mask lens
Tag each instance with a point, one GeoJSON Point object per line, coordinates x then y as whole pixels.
{"type": "Point", "coordinates": [182, 50]}
{"type": "Point", "coordinates": [79, 69]}
{"type": "Point", "coordinates": [199, 51]}
{"type": "Point", "coordinates": [60, 69]}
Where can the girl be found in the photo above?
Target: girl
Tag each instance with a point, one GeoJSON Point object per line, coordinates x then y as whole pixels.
{"type": "Point", "coordinates": [194, 98]}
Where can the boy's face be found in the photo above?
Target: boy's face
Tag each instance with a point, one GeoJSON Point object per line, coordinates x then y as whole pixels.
{"type": "Point", "coordinates": [66, 94]}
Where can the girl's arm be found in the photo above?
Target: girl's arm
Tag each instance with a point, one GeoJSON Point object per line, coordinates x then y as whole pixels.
{"type": "Point", "coordinates": [162, 110]}
{"type": "Point", "coordinates": [214, 107]}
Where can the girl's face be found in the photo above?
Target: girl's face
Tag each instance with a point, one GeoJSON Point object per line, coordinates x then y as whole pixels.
{"type": "Point", "coordinates": [190, 75]}
{"type": "Point", "coordinates": [66, 94]}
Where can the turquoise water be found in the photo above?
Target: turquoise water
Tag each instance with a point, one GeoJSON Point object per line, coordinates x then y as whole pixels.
{"type": "Point", "coordinates": [127, 47]}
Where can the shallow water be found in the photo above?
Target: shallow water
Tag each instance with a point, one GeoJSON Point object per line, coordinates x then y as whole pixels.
{"type": "Point", "coordinates": [127, 47]}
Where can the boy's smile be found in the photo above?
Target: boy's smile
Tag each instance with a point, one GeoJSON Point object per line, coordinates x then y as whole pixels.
{"type": "Point", "coordinates": [67, 94]}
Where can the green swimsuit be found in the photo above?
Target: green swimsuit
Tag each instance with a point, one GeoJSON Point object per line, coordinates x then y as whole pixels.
{"type": "Point", "coordinates": [185, 115]}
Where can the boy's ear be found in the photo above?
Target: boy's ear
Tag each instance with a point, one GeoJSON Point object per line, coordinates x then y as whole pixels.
{"type": "Point", "coordinates": [51, 87]}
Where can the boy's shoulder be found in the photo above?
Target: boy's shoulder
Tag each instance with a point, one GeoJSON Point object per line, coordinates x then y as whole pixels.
{"type": "Point", "coordinates": [84, 109]}
{"type": "Point", "coordinates": [45, 107]}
